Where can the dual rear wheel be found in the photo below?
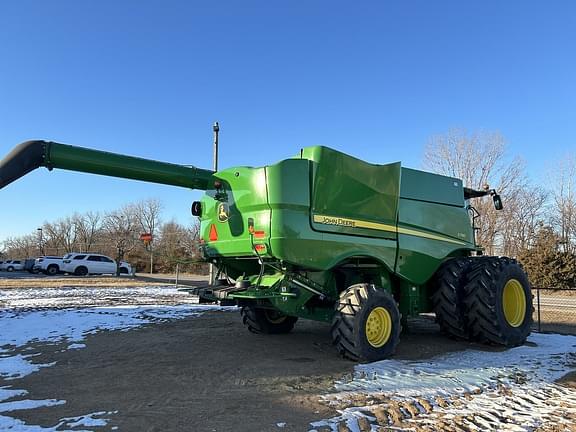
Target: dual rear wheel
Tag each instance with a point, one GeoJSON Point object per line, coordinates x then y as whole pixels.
{"type": "Point", "coordinates": [484, 299]}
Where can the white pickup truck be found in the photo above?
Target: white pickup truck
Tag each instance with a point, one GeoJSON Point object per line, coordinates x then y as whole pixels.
{"type": "Point", "coordinates": [50, 265]}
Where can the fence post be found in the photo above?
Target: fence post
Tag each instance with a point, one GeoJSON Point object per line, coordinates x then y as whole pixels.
{"type": "Point", "coordinates": [177, 273]}
{"type": "Point", "coordinates": [538, 305]}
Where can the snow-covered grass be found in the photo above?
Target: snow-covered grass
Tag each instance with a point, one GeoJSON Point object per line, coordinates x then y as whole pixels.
{"type": "Point", "coordinates": [71, 296]}
{"type": "Point", "coordinates": [509, 390]}
{"type": "Point", "coordinates": [19, 329]}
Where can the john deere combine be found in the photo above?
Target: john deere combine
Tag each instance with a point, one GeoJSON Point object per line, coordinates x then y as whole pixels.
{"type": "Point", "coordinates": [328, 237]}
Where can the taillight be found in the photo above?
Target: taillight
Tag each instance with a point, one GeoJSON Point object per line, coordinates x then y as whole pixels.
{"type": "Point", "coordinates": [197, 208]}
{"type": "Point", "coordinates": [213, 233]}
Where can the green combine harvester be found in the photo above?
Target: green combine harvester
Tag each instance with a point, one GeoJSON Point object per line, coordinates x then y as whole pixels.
{"type": "Point", "coordinates": [328, 237]}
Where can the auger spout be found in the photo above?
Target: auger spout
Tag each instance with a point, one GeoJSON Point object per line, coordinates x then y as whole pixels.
{"type": "Point", "coordinates": [30, 155]}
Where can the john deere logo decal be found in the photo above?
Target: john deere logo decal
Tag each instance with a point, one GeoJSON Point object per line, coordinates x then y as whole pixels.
{"type": "Point", "coordinates": [223, 212]}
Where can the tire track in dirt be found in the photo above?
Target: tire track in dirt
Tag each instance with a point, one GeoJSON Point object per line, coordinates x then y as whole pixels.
{"type": "Point", "coordinates": [514, 390]}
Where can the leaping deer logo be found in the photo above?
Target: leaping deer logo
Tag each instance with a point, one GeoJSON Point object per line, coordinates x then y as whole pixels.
{"type": "Point", "coordinates": [223, 212]}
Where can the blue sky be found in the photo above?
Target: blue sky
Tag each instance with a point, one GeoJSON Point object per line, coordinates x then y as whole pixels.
{"type": "Point", "coordinates": [374, 79]}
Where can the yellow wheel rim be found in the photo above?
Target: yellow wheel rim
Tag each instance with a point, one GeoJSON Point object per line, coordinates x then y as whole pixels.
{"type": "Point", "coordinates": [274, 317]}
{"type": "Point", "coordinates": [378, 327]}
{"type": "Point", "coordinates": [514, 303]}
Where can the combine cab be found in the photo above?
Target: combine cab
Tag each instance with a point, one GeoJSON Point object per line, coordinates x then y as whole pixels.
{"type": "Point", "coordinates": [328, 237]}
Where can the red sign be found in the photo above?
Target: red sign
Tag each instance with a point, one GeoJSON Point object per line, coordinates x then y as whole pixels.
{"type": "Point", "coordinates": [146, 237]}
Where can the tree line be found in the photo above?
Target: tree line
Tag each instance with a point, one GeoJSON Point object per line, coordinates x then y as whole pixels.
{"type": "Point", "coordinates": [538, 223]}
{"type": "Point", "coordinates": [116, 234]}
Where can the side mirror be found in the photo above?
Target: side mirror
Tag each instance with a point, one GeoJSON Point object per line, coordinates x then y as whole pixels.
{"type": "Point", "coordinates": [497, 202]}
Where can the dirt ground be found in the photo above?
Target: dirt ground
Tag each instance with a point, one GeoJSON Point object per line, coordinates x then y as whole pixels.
{"type": "Point", "coordinates": [203, 374]}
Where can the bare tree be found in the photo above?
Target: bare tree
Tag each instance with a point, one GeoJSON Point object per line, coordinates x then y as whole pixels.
{"type": "Point", "coordinates": [21, 247]}
{"type": "Point", "coordinates": [121, 229]}
{"type": "Point", "coordinates": [148, 215]}
{"type": "Point", "coordinates": [564, 207]}
{"type": "Point", "coordinates": [179, 244]}
{"type": "Point", "coordinates": [60, 235]}
{"type": "Point", "coordinates": [522, 217]}
{"type": "Point", "coordinates": [479, 159]}
{"type": "Point", "coordinates": [87, 228]}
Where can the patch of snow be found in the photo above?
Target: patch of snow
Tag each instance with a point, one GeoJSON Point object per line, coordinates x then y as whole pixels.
{"type": "Point", "coordinates": [88, 420]}
{"type": "Point", "coordinates": [26, 404]}
{"type": "Point", "coordinates": [12, 424]}
{"type": "Point", "coordinates": [89, 296]}
{"type": "Point", "coordinates": [508, 390]}
{"type": "Point", "coordinates": [281, 424]}
{"type": "Point", "coordinates": [8, 393]}
{"type": "Point", "coordinates": [19, 328]}
{"type": "Point", "coordinates": [76, 346]}
{"type": "Point", "coordinates": [18, 366]}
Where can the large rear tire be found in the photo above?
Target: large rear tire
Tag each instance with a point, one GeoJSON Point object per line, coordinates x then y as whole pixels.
{"type": "Point", "coordinates": [267, 321]}
{"type": "Point", "coordinates": [366, 325]}
{"type": "Point", "coordinates": [449, 295]}
{"type": "Point", "coordinates": [499, 302]}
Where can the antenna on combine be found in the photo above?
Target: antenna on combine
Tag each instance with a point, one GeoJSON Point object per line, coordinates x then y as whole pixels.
{"type": "Point", "coordinates": [216, 129]}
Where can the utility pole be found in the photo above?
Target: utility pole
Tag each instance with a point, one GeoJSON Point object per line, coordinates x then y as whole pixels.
{"type": "Point", "coordinates": [40, 241]}
{"type": "Point", "coordinates": [216, 129]}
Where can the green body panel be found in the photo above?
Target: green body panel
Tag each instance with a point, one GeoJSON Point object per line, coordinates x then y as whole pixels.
{"type": "Point", "coordinates": [346, 187]}
{"type": "Point", "coordinates": [334, 220]}
{"type": "Point", "coordinates": [244, 195]}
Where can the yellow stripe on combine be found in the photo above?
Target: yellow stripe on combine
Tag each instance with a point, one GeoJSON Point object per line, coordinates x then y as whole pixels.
{"type": "Point", "coordinates": [355, 223]}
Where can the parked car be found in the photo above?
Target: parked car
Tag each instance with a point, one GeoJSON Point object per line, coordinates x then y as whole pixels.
{"type": "Point", "coordinates": [125, 268]}
{"type": "Point", "coordinates": [81, 264]}
{"type": "Point", "coordinates": [50, 265]}
{"type": "Point", "coordinates": [29, 265]}
{"type": "Point", "coordinates": [13, 265]}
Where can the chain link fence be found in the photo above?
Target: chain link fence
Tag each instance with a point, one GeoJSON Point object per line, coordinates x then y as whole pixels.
{"type": "Point", "coordinates": [555, 310]}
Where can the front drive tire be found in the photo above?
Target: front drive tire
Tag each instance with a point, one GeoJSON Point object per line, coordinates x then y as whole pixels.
{"type": "Point", "coordinates": [366, 325]}
{"type": "Point", "coordinates": [10, 269]}
{"type": "Point", "coordinates": [499, 302]}
{"type": "Point", "coordinates": [267, 321]}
